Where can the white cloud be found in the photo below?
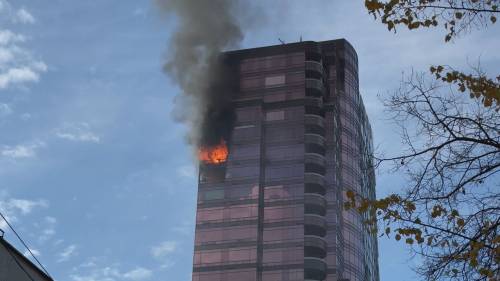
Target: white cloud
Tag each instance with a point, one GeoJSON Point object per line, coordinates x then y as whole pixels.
{"type": "Point", "coordinates": [24, 16]}
{"type": "Point", "coordinates": [21, 150]}
{"type": "Point", "coordinates": [35, 252]}
{"type": "Point", "coordinates": [79, 132]}
{"type": "Point", "coordinates": [17, 64]}
{"type": "Point", "coordinates": [22, 205]}
{"type": "Point", "coordinates": [5, 109]}
{"type": "Point", "coordinates": [14, 14]}
{"type": "Point", "coordinates": [110, 273]}
{"type": "Point", "coordinates": [47, 233]}
{"type": "Point", "coordinates": [48, 229]}
{"type": "Point", "coordinates": [6, 56]}
{"type": "Point", "coordinates": [164, 249]}
{"type": "Point", "coordinates": [7, 37]}
{"type": "Point", "coordinates": [25, 116]}
{"type": "Point", "coordinates": [138, 274]}
{"type": "Point", "coordinates": [50, 220]}
{"type": "Point", "coordinates": [67, 253]}
{"type": "Point", "coordinates": [163, 252]}
{"type": "Point", "coordinates": [102, 274]}
{"type": "Point", "coordinates": [187, 171]}
{"type": "Point", "coordinates": [18, 76]}
{"type": "Point", "coordinates": [185, 228]}
{"type": "Point", "coordinates": [12, 208]}
{"type": "Point", "coordinates": [139, 12]}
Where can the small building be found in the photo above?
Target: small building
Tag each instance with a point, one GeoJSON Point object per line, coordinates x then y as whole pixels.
{"type": "Point", "coordinates": [14, 266]}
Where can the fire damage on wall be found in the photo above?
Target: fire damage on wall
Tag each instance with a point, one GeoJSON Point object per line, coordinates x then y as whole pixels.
{"type": "Point", "coordinates": [217, 122]}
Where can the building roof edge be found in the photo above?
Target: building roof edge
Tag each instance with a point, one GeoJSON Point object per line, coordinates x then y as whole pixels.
{"type": "Point", "coordinates": [13, 250]}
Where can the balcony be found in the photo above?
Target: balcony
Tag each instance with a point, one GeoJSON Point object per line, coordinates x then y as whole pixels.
{"type": "Point", "coordinates": [314, 246]}
{"type": "Point", "coordinates": [314, 69]}
{"type": "Point", "coordinates": [314, 204]}
{"type": "Point", "coordinates": [314, 268]}
{"type": "Point", "coordinates": [314, 225]}
{"type": "Point", "coordinates": [314, 139]}
{"type": "Point", "coordinates": [314, 105]}
{"type": "Point", "coordinates": [314, 87]}
{"type": "Point", "coordinates": [316, 102]}
{"type": "Point", "coordinates": [313, 53]}
{"type": "Point", "coordinates": [314, 124]}
{"type": "Point", "coordinates": [315, 163]}
{"type": "Point", "coordinates": [314, 183]}
{"type": "Point", "coordinates": [314, 143]}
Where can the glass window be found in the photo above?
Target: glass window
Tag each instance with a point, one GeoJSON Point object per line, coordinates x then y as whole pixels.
{"type": "Point", "coordinates": [241, 192]}
{"type": "Point", "coordinates": [207, 276]}
{"type": "Point", "coordinates": [249, 83]}
{"type": "Point", "coordinates": [276, 80]}
{"type": "Point", "coordinates": [238, 233]}
{"type": "Point", "coordinates": [248, 114]}
{"type": "Point", "coordinates": [241, 212]}
{"type": "Point", "coordinates": [239, 255]}
{"type": "Point", "coordinates": [213, 194]}
{"type": "Point", "coordinates": [247, 151]}
{"type": "Point", "coordinates": [247, 275]}
{"type": "Point", "coordinates": [289, 152]}
{"type": "Point", "coordinates": [283, 192]}
{"type": "Point", "coordinates": [295, 77]}
{"type": "Point", "coordinates": [289, 275]}
{"type": "Point", "coordinates": [284, 171]}
{"type": "Point", "coordinates": [283, 256]}
{"type": "Point", "coordinates": [242, 171]}
{"type": "Point", "coordinates": [210, 257]}
{"type": "Point", "coordinates": [275, 115]}
{"type": "Point", "coordinates": [283, 213]}
{"type": "Point", "coordinates": [245, 133]}
{"type": "Point", "coordinates": [284, 133]}
{"type": "Point", "coordinates": [287, 233]}
{"type": "Point", "coordinates": [210, 214]}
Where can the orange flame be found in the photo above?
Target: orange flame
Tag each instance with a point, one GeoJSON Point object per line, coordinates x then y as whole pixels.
{"type": "Point", "coordinates": [213, 154]}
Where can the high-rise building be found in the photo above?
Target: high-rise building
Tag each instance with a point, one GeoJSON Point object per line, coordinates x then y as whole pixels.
{"type": "Point", "coordinates": [273, 210]}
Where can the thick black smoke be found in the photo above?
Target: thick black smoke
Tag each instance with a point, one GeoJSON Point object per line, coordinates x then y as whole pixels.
{"type": "Point", "coordinates": [205, 28]}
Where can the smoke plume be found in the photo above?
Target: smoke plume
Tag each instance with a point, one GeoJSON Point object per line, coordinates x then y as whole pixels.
{"type": "Point", "coordinates": [204, 29]}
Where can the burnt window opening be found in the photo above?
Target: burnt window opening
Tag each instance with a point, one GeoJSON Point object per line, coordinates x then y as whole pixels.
{"type": "Point", "coordinates": [212, 173]}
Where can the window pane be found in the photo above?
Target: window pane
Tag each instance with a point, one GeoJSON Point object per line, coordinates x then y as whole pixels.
{"type": "Point", "coordinates": [214, 194]}
{"type": "Point", "coordinates": [273, 81]}
{"type": "Point", "coordinates": [275, 115]}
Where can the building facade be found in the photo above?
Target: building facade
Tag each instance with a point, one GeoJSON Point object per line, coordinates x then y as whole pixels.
{"type": "Point", "coordinates": [273, 210]}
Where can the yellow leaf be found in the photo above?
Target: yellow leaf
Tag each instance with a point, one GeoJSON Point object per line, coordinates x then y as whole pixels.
{"type": "Point", "coordinates": [350, 194]}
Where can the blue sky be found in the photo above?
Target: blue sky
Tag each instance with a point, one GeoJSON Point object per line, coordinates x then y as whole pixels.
{"type": "Point", "coordinates": [94, 173]}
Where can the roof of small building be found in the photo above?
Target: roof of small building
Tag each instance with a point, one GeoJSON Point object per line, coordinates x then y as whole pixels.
{"type": "Point", "coordinates": [25, 260]}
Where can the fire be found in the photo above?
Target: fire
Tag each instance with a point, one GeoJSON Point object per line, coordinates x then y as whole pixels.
{"type": "Point", "coordinates": [213, 154]}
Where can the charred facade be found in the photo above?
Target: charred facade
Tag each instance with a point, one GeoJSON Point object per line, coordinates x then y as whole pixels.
{"type": "Point", "coordinates": [271, 209]}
